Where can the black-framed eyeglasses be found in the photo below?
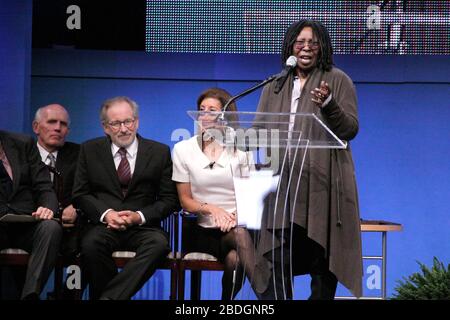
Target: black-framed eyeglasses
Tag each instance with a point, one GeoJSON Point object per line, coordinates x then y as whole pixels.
{"type": "Point", "coordinates": [116, 125]}
{"type": "Point", "coordinates": [300, 44]}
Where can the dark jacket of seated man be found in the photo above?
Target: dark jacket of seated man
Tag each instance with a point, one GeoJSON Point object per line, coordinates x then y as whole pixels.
{"type": "Point", "coordinates": [31, 185]}
{"type": "Point", "coordinates": [151, 192]}
{"type": "Point", "coordinates": [25, 188]}
{"type": "Point", "coordinates": [66, 164]}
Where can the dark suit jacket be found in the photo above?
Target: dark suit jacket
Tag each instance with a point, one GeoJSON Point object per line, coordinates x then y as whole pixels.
{"type": "Point", "coordinates": [66, 164]}
{"type": "Point", "coordinates": [31, 181]}
{"type": "Point", "coordinates": [151, 188]}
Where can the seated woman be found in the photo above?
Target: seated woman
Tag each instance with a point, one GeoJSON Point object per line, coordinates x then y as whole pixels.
{"type": "Point", "coordinates": [203, 171]}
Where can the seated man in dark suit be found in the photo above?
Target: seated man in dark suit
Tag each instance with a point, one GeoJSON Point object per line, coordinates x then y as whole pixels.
{"type": "Point", "coordinates": [123, 184]}
{"type": "Point", "coordinates": [26, 189]}
{"type": "Point", "coordinates": [51, 126]}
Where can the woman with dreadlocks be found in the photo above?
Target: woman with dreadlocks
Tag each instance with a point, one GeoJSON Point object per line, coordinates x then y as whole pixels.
{"type": "Point", "coordinates": [320, 234]}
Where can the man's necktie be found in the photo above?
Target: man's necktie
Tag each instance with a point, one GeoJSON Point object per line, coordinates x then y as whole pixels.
{"type": "Point", "coordinates": [5, 181]}
{"type": "Point", "coordinates": [52, 163]}
{"type": "Point", "coordinates": [6, 184]}
{"type": "Point", "coordinates": [5, 161]}
{"type": "Point", "coordinates": [5, 174]}
{"type": "Point", "coordinates": [124, 171]}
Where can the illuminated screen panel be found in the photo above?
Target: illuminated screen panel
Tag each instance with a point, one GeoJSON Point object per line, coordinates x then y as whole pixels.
{"type": "Point", "coordinates": [257, 26]}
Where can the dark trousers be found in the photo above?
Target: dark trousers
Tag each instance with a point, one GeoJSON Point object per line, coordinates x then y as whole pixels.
{"type": "Point", "coordinates": [70, 249]}
{"type": "Point", "coordinates": [42, 240]}
{"type": "Point", "coordinates": [308, 257]}
{"type": "Point", "coordinates": [105, 282]}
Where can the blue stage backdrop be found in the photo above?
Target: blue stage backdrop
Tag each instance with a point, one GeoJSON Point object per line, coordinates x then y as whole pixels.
{"type": "Point", "coordinates": [402, 152]}
{"type": "Point", "coordinates": [15, 61]}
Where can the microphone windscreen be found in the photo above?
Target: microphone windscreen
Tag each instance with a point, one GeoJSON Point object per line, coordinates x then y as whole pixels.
{"type": "Point", "coordinates": [291, 62]}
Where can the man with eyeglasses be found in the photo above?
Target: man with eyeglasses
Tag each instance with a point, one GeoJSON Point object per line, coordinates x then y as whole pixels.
{"type": "Point", "coordinates": [324, 240]}
{"type": "Point", "coordinates": [123, 184]}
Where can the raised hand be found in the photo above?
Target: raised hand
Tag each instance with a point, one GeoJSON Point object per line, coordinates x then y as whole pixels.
{"type": "Point", "coordinates": [320, 94]}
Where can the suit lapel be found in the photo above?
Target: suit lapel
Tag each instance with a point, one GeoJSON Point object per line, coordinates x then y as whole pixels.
{"type": "Point", "coordinates": [142, 158]}
{"type": "Point", "coordinates": [60, 159]}
{"type": "Point", "coordinates": [67, 157]}
{"type": "Point", "coordinates": [106, 160]}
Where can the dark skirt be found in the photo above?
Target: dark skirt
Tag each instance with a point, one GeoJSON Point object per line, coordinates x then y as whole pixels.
{"type": "Point", "coordinates": [206, 240]}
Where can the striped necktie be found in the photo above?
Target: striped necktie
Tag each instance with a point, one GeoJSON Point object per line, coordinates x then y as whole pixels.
{"type": "Point", "coordinates": [5, 161]}
{"type": "Point", "coordinates": [6, 183]}
{"type": "Point", "coordinates": [123, 170]}
{"type": "Point", "coordinates": [51, 163]}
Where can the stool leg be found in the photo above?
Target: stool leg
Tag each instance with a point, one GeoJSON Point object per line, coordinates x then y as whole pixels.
{"type": "Point", "coordinates": [196, 284]}
{"type": "Point", "coordinates": [384, 255]}
{"type": "Point", "coordinates": [181, 281]}
{"type": "Point", "coordinates": [59, 278]}
{"type": "Point", "coordinates": [173, 281]}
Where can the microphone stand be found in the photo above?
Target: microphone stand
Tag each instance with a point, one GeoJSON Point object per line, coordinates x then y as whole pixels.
{"type": "Point", "coordinates": [248, 91]}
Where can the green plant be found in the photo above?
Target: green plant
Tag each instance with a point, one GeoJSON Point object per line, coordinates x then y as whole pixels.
{"type": "Point", "coordinates": [431, 284]}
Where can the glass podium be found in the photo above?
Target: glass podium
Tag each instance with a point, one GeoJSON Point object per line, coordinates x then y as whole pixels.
{"type": "Point", "coordinates": [276, 147]}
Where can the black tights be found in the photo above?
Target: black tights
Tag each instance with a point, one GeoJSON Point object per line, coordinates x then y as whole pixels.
{"type": "Point", "coordinates": [239, 260]}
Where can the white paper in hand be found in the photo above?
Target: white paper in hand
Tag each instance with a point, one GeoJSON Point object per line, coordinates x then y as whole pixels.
{"type": "Point", "coordinates": [250, 193]}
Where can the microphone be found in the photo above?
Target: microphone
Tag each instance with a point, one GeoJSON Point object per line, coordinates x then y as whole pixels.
{"type": "Point", "coordinates": [290, 64]}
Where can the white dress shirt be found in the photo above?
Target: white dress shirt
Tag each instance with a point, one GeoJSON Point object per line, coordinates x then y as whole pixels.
{"type": "Point", "coordinates": [44, 154]}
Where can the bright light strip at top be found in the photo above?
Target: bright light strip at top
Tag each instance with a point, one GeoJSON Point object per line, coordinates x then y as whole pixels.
{"type": "Point", "coordinates": [258, 26]}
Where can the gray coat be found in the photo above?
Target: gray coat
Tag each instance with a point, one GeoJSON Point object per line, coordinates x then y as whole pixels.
{"type": "Point", "coordinates": [327, 201]}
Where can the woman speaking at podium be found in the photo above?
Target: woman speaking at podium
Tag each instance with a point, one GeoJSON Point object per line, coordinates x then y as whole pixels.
{"type": "Point", "coordinates": [321, 234]}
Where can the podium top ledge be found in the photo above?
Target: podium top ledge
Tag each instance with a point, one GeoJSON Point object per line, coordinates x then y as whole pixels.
{"type": "Point", "coordinates": [380, 225]}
